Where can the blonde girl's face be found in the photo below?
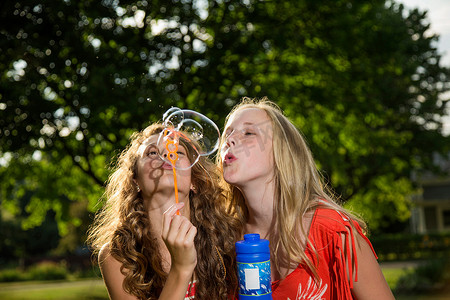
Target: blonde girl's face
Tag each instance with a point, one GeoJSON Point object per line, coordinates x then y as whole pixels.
{"type": "Point", "coordinates": [155, 175]}
{"type": "Point", "coordinates": [247, 150]}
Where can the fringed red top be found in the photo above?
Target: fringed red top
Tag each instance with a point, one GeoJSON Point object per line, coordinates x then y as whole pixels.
{"type": "Point", "coordinates": [334, 260]}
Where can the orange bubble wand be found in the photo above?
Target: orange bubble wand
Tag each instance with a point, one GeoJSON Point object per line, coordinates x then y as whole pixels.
{"type": "Point", "coordinates": [172, 156]}
{"type": "Point", "coordinates": [196, 130]}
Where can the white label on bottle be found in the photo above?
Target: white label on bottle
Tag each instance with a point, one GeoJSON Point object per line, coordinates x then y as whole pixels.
{"type": "Point", "coordinates": [252, 279]}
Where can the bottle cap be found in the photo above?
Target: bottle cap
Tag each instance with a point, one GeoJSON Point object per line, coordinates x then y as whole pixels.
{"type": "Point", "coordinates": [252, 244]}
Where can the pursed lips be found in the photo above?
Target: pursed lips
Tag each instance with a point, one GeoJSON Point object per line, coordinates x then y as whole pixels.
{"type": "Point", "coordinates": [167, 166]}
{"type": "Point", "coordinates": [229, 158]}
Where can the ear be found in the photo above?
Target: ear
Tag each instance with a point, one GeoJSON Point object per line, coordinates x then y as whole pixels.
{"type": "Point", "coordinates": [136, 185]}
{"type": "Point", "coordinates": [193, 189]}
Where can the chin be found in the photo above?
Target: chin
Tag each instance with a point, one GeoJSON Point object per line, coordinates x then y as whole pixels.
{"type": "Point", "coordinates": [230, 179]}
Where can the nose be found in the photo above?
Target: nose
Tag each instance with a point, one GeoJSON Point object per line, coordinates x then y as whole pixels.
{"type": "Point", "coordinates": [231, 139]}
{"type": "Point", "coordinates": [163, 153]}
{"type": "Point", "coordinates": [166, 156]}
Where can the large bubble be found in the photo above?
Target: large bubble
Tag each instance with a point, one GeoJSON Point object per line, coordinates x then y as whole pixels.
{"type": "Point", "coordinates": [187, 136]}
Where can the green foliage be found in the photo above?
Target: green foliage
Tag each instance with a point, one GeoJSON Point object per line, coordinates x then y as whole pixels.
{"type": "Point", "coordinates": [361, 79]}
{"type": "Point", "coordinates": [37, 188]}
{"type": "Point", "coordinates": [18, 243]}
{"type": "Point", "coordinates": [12, 275]}
{"type": "Point", "coordinates": [394, 247]}
{"type": "Point", "coordinates": [48, 271]}
{"type": "Point", "coordinates": [430, 277]}
{"type": "Point", "coordinates": [393, 275]}
{"type": "Point", "coordinates": [42, 271]}
{"type": "Point", "coordinates": [385, 204]}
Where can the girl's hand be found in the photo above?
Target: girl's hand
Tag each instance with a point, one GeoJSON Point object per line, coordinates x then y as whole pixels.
{"type": "Point", "coordinates": [178, 234]}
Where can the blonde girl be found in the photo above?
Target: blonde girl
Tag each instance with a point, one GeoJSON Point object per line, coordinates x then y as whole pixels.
{"type": "Point", "coordinates": [318, 249]}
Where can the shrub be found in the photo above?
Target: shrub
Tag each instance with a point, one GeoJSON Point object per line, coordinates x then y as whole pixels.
{"type": "Point", "coordinates": [10, 275]}
{"type": "Point", "coordinates": [47, 271]}
{"type": "Point", "coordinates": [394, 247]}
{"type": "Point", "coordinates": [432, 276]}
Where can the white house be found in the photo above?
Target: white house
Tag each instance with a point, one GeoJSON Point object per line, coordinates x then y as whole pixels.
{"type": "Point", "coordinates": [431, 210]}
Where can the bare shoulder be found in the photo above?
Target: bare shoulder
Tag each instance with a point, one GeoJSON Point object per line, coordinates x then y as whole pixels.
{"type": "Point", "coordinates": [106, 261]}
{"type": "Point", "coordinates": [104, 253]}
{"type": "Point", "coordinates": [112, 274]}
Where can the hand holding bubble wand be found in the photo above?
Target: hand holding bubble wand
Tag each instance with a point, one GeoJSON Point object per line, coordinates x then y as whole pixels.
{"type": "Point", "coordinates": [194, 131]}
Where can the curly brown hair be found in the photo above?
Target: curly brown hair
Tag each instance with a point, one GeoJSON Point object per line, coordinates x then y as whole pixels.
{"type": "Point", "coordinates": [124, 226]}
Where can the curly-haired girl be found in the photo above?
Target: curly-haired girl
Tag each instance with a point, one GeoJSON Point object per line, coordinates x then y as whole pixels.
{"type": "Point", "coordinates": [147, 251]}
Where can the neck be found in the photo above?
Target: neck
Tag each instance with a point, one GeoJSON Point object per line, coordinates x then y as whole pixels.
{"type": "Point", "coordinates": [158, 203]}
{"type": "Point", "coordinates": [259, 199]}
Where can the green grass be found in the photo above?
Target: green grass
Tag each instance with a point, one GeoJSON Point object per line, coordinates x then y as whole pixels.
{"type": "Point", "coordinates": [422, 297]}
{"type": "Point", "coordinates": [89, 289]}
{"type": "Point", "coordinates": [94, 289]}
{"type": "Point", "coordinates": [393, 275]}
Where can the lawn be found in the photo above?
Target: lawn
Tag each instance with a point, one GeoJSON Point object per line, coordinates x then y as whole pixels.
{"type": "Point", "coordinates": [393, 274]}
{"type": "Point", "coordinates": [94, 289]}
{"type": "Point", "coordinates": [88, 289]}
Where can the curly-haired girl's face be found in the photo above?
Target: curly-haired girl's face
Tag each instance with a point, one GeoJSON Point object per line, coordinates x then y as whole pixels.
{"type": "Point", "coordinates": [155, 176]}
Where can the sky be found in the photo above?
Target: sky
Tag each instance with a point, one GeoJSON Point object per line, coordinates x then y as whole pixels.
{"type": "Point", "coordinates": [439, 18]}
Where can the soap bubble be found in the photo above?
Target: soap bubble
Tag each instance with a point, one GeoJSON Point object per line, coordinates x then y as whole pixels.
{"type": "Point", "coordinates": [194, 132]}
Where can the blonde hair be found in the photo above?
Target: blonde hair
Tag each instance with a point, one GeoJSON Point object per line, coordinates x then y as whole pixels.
{"type": "Point", "coordinates": [299, 187]}
{"type": "Point", "coordinates": [123, 225]}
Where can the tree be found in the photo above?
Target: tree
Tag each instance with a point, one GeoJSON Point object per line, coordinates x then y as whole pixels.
{"type": "Point", "coordinates": [364, 84]}
{"type": "Point", "coordinates": [361, 80]}
{"type": "Point", "coordinates": [17, 243]}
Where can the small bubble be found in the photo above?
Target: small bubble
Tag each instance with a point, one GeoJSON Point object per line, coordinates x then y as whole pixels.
{"type": "Point", "coordinates": [149, 100]}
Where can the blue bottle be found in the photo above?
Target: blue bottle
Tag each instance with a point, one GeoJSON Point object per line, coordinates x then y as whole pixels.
{"type": "Point", "coordinates": [253, 264]}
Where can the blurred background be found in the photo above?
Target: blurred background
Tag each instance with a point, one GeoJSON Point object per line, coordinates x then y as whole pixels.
{"type": "Point", "coordinates": [367, 82]}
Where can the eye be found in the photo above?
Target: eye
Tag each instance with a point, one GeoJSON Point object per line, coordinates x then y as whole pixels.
{"type": "Point", "coordinates": [152, 152]}
{"type": "Point", "coordinates": [248, 132]}
{"type": "Point", "coordinates": [180, 152]}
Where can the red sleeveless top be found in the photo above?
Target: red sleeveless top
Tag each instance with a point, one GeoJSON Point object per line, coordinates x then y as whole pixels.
{"type": "Point", "coordinates": [335, 282]}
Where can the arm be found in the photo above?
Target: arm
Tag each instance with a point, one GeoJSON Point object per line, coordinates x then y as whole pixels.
{"type": "Point", "coordinates": [178, 235]}
{"type": "Point", "coordinates": [371, 283]}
